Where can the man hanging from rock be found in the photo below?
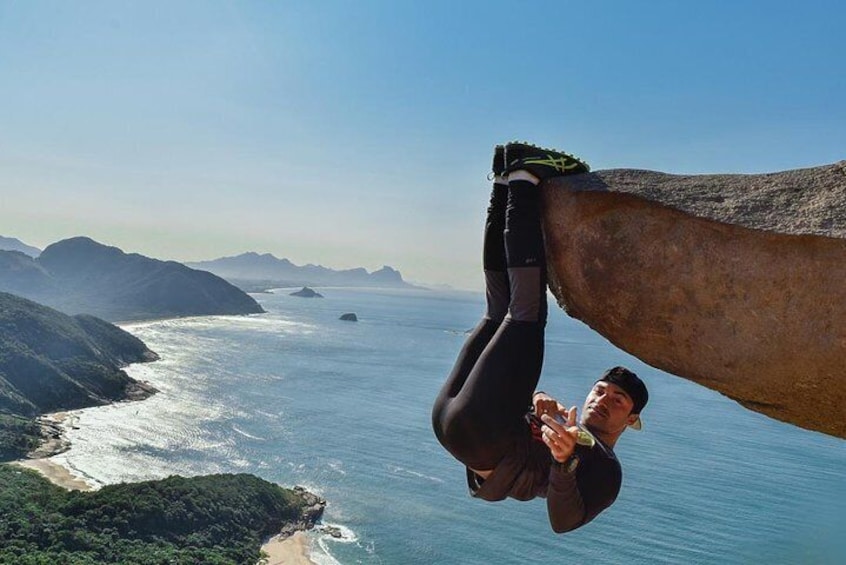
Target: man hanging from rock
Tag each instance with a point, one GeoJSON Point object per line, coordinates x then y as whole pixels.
{"type": "Point", "coordinates": [514, 441]}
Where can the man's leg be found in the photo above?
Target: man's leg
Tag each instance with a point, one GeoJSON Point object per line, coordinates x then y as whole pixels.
{"type": "Point", "coordinates": [484, 415]}
{"type": "Point", "coordinates": [496, 296]}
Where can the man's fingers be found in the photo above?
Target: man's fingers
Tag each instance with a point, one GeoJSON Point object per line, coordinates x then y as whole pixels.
{"type": "Point", "coordinates": [550, 421]}
{"type": "Point", "coordinates": [546, 406]}
{"type": "Point", "coordinates": [560, 445]}
{"type": "Point", "coordinates": [571, 417]}
{"type": "Point", "coordinates": [559, 433]}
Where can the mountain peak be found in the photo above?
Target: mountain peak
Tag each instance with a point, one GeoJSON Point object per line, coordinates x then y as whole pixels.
{"type": "Point", "coordinates": [69, 254]}
{"type": "Point", "coordinates": [82, 275]}
{"type": "Point", "coordinates": [15, 244]}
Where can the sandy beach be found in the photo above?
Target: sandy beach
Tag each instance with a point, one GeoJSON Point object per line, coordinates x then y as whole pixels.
{"type": "Point", "coordinates": [51, 426]}
{"type": "Point", "coordinates": [55, 473]}
{"type": "Point", "coordinates": [292, 550]}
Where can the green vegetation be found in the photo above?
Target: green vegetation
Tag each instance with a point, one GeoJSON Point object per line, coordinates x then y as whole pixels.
{"type": "Point", "coordinates": [18, 436]}
{"type": "Point", "coordinates": [215, 520]}
{"type": "Point", "coordinates": [50, 361]}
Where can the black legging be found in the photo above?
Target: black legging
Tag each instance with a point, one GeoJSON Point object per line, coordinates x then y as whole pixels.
{"type": "Point", "coordinates": [480, 410]}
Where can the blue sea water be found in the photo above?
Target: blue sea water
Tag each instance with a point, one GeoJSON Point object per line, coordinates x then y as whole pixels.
{"type": "Point", "coordinates": [299, 397]}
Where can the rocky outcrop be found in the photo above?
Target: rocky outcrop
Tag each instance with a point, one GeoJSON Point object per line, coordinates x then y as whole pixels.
{"type": "Point", "coordinates": [311, 510]}
{"type": "Point", "coordinates": [349, 317]}
{"type": "Point", "coordinates": [735, 282]}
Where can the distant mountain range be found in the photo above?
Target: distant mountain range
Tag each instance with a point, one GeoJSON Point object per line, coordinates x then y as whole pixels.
{"type": "Point", "coordinates": [252, 270]}
{"type": "Point", "coordinates": [50, 361]}
{"type": "Point", "coordinates": [79, 275]}
{"type": "Point", "coordinates": [13, 244]}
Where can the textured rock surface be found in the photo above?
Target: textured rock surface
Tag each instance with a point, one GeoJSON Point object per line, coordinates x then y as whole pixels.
{"type": "Point", "coordinates": [736, 282]}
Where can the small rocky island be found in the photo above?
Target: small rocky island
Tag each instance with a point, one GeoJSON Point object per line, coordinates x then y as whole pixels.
{"type": "Point", "coordinates": [349, 317]}
{"type": "Point", "coordinates": [307, 292]}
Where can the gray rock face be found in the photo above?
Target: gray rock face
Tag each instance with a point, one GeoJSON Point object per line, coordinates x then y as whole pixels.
{"type": "Point", "coordinates": [808, 201]}
{"type": "Point", "coordinates": [732, 281]}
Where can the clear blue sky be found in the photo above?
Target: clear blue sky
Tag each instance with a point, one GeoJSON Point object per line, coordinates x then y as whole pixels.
{"type": "Point", "coordinates": [359, 133]}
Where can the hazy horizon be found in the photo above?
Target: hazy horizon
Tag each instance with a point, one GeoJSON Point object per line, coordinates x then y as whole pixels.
{"type": "Point", "coordinates": [370, 270]}
{"type": "Point", "coordinates": [360, 134]}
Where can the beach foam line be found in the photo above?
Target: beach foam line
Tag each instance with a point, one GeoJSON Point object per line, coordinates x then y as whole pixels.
{"type": "Point", "coordinates": [334, 533]}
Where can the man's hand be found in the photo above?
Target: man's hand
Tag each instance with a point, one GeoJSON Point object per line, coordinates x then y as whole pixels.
{"type": "Point", "coordinates": [560, 438]}
{"type": "Point", "coordinates": [545, 404]}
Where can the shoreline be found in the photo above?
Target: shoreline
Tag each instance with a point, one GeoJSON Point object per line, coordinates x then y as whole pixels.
{"type": "Point", "coordinates": [53, 443]}
{"type": "Point", "coordinates": [281, 549]}
{"type": "Point", "coordinates": [57, 474]}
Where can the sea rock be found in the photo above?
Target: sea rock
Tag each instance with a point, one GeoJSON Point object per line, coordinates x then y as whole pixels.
{"type": "Point", "coordinates": [732, 281]}
{"type": "Point", "coordinates": [313, 507]}
{"type": "Point", "coordinates": [349, 317]}
{"type": "Point", "coordinates": [333, 531]}
{"type": "Point", "coordinates": [307, 292]}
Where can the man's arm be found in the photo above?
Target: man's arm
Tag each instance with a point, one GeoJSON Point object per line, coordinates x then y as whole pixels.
{"type": "Point", "coordinates": [574, 498]}
{"type": "Point", "coordinates": [570, 505]}
{"type": "Point", "coordinates": [564, 503]}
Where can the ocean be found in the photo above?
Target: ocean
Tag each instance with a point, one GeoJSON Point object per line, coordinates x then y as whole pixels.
{"type": "Point", "coordinates": [299, 397]}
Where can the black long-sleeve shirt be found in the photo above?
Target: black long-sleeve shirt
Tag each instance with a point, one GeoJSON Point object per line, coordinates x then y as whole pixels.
{"type": "Point", "coordinates": [573, 498]}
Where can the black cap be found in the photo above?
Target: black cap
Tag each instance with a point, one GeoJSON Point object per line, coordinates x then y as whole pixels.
{"type": "Point", "coordinates": [633, 386]}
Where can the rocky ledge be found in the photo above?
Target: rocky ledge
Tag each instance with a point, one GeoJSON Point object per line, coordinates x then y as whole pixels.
{"type": "Point", "coordinates": [732, 281]}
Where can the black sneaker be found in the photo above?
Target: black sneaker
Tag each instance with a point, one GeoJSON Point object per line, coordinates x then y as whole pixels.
{"type": "Point", "coordinates": [498, 160]}
{"type": "Point", "coordinates": [543, 163]}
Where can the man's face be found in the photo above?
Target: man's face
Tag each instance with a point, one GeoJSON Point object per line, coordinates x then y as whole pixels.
{"type": "Point", "coordinates": [608, 408]}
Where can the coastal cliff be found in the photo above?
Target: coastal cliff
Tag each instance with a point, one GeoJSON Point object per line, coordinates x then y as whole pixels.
{"type": "Point", "coordinates": [51, 361]}
{"type": "Point", "coordinates": [732, 281]}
